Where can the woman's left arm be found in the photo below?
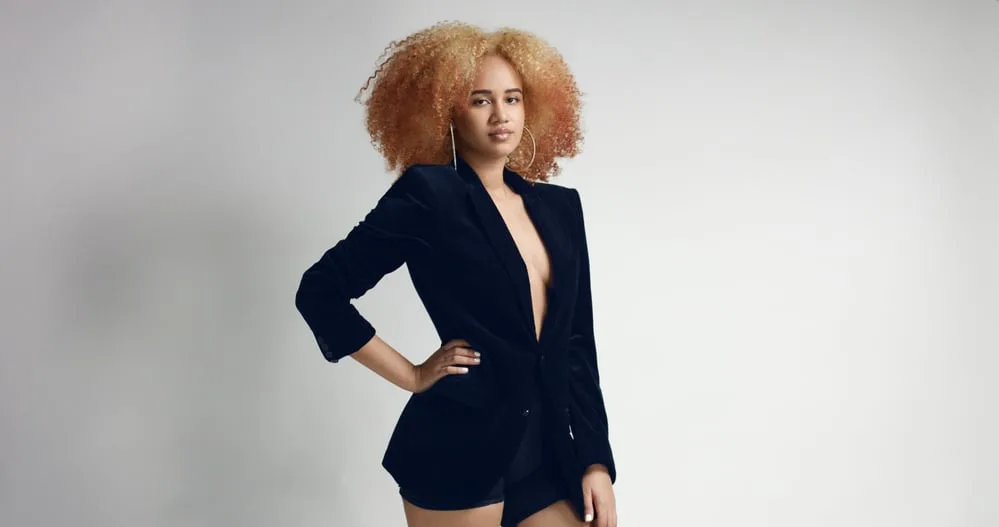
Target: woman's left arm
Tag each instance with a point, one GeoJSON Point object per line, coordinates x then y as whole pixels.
{"type": "Point", "coordinates": [587, 411]}
{"type": "Point", "coordinates": [588, 415]}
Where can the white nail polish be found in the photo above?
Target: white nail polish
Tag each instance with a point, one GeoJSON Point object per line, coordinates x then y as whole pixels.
{"type": "Point", "coordinates": [589, 517]}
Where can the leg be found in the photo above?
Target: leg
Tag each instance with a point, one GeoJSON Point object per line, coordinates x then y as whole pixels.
{"type": "Point", "coordinates": [558, 514]}
{"type": "Point", "coordinates": [485, 516]}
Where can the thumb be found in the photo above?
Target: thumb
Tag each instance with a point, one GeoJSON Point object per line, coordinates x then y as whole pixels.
{"type": "Point", "coordinates": [587, 504]}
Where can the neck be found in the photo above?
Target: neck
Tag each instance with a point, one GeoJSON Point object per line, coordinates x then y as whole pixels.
{"type": "Point", "coordinates": [490, 171]}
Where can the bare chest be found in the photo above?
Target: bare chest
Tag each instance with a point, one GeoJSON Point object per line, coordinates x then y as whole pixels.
{"type": "Point", "coordinates": [529, 243]}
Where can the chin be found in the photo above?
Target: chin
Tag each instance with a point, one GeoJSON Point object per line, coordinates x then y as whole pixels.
{"type": "Point", "coordinates": [496, 151]}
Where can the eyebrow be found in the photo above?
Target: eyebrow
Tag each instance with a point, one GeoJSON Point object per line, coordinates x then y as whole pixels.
{"type": "Point", "coordinates": [490, 92]}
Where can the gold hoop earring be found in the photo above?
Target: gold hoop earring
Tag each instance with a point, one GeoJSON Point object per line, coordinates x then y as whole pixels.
{"type": "Point", "coordinates": [454, 151]}
{"type": "Point", "coordinates": [534, 148]}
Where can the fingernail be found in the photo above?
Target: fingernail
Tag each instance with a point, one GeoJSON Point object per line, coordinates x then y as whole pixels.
{"type": "Point", "coordinates": [589, 517]}
{"type": "Point", "coordinates": [464, 370]}
{"type": "Point", "coordinates": [477, 360]}
{"type": "Point", "coordinates": [477, 354]}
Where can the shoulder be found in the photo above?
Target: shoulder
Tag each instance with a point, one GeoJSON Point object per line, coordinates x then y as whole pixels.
{"type": "Point", "coordinates": [566, 197]}
{"type": "Point", "coordinates": [420, 174]}
{"type": "Point", "coordinates": [430, 178]}
{"type": "Point", "coordinates": [430, 183]}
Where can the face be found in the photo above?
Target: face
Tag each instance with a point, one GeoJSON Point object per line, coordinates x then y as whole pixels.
{"type": "Point", "coordinates": [490, 123]}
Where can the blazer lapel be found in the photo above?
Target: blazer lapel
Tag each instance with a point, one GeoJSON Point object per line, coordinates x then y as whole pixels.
{"type": "Point", "coordinates": [499, 237]}
{"type": "Point", "coordinates": [554, 238]}
{"type": "Point", "coordinates": [506, 248]}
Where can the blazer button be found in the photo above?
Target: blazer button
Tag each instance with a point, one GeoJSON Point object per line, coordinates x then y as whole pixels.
{"type": "Point", "coordinates": [526, 412]}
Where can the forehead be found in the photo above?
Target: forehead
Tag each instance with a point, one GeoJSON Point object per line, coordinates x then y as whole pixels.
{"type": "Point", "coordinates": [496, 72]}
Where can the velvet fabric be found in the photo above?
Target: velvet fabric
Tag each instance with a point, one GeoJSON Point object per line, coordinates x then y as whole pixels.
{"type": "Point", "coordinates": [460, 436]}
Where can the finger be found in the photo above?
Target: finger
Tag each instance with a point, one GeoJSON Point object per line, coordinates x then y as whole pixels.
{"type": "Point", "coordinates": [456, 359]}
{"type": "Point", "coordinates": [455, 370]}
{"type": "Point", "coordinates": [587, 504]}
{"type": "Point", "coordinates": [603, 515]}
{"type": "Point", "coordinates": [455, 343]}
{"type": "Point", "coordinates": [462, 351]}
{"type": "Point", "coordinates": [462, 359]}
{"type": "Point", "coordinates": [599, 515]}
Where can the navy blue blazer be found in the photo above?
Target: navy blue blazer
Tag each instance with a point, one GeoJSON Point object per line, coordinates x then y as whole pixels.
{"type": "Point", "coordinates": [459, 436]}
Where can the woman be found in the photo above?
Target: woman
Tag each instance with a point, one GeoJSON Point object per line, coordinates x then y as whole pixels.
{"type": "Point", "coordinates": [506, 423]}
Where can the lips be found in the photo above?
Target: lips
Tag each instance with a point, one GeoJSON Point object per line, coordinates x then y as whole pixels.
{"type": "Point", "coordinates": [501, 131]}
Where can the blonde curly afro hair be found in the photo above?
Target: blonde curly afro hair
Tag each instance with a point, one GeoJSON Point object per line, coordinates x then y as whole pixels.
{"type": "Point", "coordinates": [414, 91]}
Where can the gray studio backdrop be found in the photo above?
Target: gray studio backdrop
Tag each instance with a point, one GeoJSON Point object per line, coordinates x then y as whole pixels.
{"type": "Point", "coordinates": [792, 219]}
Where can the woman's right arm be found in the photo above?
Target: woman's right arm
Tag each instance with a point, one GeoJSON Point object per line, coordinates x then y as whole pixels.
{"type": "Point", "coordinates": [453, 358]}
{"type": "Point", "coordinates": [388, 363]}
{"type": "Point", "coordinates": [401, 221]}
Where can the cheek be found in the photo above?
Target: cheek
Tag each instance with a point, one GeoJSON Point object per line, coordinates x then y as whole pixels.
{"type": "Point", "coordinates": [519, 110]}
{"type": "Point", "coordinates": [469, 124]}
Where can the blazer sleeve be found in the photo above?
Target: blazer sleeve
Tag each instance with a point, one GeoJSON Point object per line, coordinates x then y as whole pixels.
{"type": "Point", "coordinates": [399, 223]}
{"type": "Point", "coordinates": [588, 414]}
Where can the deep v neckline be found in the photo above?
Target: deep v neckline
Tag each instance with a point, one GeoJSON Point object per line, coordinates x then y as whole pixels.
{"type": "Point", "coordinates": [499, 235]}
{"type": "Point", "coordinates": [548, 287]}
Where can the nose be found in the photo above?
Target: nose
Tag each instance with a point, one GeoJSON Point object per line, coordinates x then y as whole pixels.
{"type": "Point", "coordinates": [499, 113]}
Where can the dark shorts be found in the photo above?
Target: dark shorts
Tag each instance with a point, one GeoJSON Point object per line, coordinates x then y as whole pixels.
{"type": "Point", "coordinates": [532, 483]}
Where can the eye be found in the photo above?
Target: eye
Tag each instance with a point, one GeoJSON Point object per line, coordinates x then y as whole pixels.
{"type": "Point", "coordinates": [513, 100]}
{"type": "Point", "coordinates": [480, 102]}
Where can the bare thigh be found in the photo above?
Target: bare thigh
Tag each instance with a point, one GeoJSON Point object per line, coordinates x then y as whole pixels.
{"type": "Point", "coordinates": [558, 514]}
{"type": "Point", "coordinates": [487, 516]}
